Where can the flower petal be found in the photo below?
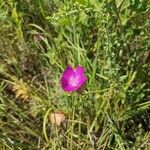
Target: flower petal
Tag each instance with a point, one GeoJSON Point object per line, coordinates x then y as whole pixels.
{"type": "Point", "coordinates": [82, 80]}
{"type": "Point", "coordinates": [64, 83]}
{"type": "Point", "coordinates": [69, 72]}
{"type": "Point", "coordinates": [65, 79]}
{"type": "Point", "coordinates": [79, 70]}
{"type": "Point", "coordinates": [71, 88]}
{"type": "Point", "coordinates": [80, 75]}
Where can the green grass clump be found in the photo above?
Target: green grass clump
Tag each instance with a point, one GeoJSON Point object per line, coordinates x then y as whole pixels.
{"type": "Point", "coordinates": [39, 39]}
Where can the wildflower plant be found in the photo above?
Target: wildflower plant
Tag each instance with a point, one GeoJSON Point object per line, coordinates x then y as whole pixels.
{"type": "Point", "coordinates": [73, 79]}
{"type": "Point", "coordinates": [40, 102]}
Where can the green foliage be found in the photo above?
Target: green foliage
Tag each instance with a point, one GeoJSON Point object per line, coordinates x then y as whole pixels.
{"type": "Point", "coordinates": [39, 39]}
{"type": "Point", "coordinates": [3, 12]}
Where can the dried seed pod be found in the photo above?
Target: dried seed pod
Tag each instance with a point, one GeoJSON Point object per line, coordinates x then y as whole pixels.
{"type": "Point", "coordinates": [56, 118]}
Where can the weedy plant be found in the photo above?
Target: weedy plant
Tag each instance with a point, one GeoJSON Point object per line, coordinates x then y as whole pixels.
{"type": "Point", "coordinates": [41, 107]}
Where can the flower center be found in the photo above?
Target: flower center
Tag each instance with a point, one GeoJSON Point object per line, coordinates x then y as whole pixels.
{"type": "Point", "coordinates": [73, 81]}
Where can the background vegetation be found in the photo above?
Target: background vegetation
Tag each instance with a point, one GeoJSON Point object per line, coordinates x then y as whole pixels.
{"type": "Point", "coordinates": [39, 39]}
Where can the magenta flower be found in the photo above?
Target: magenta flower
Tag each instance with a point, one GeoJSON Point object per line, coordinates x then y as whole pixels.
{"type": "Point", "coordinates": [73, 79]}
